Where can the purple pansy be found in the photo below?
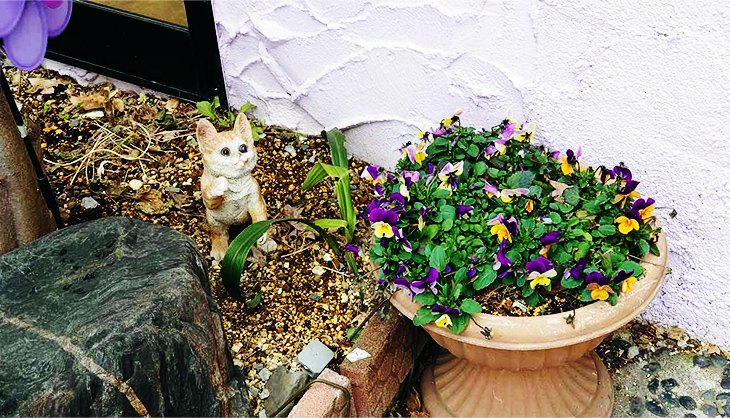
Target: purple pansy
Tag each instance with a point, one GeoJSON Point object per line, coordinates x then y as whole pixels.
{"type": "Point", "coordinates": [606, 174]}
{"type": "Point", "coordinates": [398, 234]}
{"type": "Point", "coordinates": [383, 215]}
{"type": "Point", "coordinates": [622, 172]}
{"type": "Point", "coordinates": [629, 187]}
{"type": "Point", "coordinates": [622, 275]}
{"type": "Point", "coordinates": [550, 238]}
{"type": "Point", "coordinates": [410, 177]}
{"type": "Point", "coordinates": [502, 254]}
{"type": "Point", "coordinates": [444, 310]}
{"type": "Point", "coordinates": [428, 282]}
{"type": "Point", "coordinates": [577, 270]}
{"type": "Point", "coordinates": [354, 248]}
{"type": "Point", "coordinates": [597, 277]}
{"type": "Point", "coordinates": [508, 131]}
{"type": "Point", "coordinates": [462, 210]}
{"type": "Point", "coordinates": [511, 225]}
{"type": "Point", "coordinates": [491, 189]}
{"type": "Point", "coordinates": [471, 273]}
{"type": "Point", "coordinates": [397, 198]}
{"type": "Point", "coordinates": [402, 283]}
{"type": "Point", "coordinates": [540, 265]}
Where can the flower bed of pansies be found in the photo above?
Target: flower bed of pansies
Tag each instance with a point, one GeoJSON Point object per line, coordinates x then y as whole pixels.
{"type": "Point", "coordinates": [468, 211]}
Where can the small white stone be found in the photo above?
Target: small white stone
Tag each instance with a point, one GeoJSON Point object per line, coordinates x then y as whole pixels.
{"type": "Point", "coordinates": [265, 374]}
{"type": "Point", "coordinates": [236, 347]}
{"type": "Point", "coordinates": [290, 150]}
{"type": "Point", "coordinates": [633, 351]}
{"type": "Point", "coordinates": [262, 414]}
{"type": "Point", "coordinates": [94, 114]}
{"type": "Point", "coordinates": [357, 354]}
{"type": "Point", "coordinates": [318, 270]}
{"type": "Point", "coordinates": [327, 257]}
{"type": "Point", "coordinates": [264, 393]}
{"type": "Point", "coordinates": [89, 203]}
{"type": "Point", "coordinates": [135, 184]}
{"type": "Point", "coordinates": [313, 158]}
{"type": "Point", "coordinates": [278, 292]}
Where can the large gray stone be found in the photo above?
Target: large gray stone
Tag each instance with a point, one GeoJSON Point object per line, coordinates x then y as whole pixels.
{"type": "Point", "coordinates": [282, 384]}
{"type": "Point", "coordinates": [98, 308]}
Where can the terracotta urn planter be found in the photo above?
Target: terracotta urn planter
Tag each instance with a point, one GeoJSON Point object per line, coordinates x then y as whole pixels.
{"type": "Point", "coordinates": [533, 366]}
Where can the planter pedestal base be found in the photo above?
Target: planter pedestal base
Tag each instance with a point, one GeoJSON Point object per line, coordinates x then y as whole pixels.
{"type": "Point", "coordinates": [455, 387]}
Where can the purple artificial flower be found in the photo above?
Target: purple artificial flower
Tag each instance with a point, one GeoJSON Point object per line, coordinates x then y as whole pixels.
{"type": "Point", "coordinates": [384, 215]}
{"type": "Point", "coordinates": [540, 265]}
{"type": "Point", "coordinates": [444, 310]}
{"type": "Point", "coordinates": [597, 277]}
{"type": "Point", "coordinates": [622, 275]}
{"type": "Point", "coordinates": [429, 282]}
{"type": "Point", "coordinates": [550, 238]}
{"type": "Point", "coordinates": [462, 210]}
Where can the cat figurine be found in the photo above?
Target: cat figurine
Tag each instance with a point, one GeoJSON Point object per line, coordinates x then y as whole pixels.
{"type": "Point", "coordinates": [230, 193]}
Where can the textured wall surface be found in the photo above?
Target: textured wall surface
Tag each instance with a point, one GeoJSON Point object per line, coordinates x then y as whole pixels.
{"type": "Point", "coordinates": [644, 82]}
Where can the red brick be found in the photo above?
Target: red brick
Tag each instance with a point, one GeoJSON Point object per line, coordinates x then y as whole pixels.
{"type": "Point", "coordinates": [373, 378]}
{"type": "Point", "coordinates": [324, 401]}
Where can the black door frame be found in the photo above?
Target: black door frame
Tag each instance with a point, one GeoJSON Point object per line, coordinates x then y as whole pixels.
{"type": "Point", "coordinates": [172, 59]}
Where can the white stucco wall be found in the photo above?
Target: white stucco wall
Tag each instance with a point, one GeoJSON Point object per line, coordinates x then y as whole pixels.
{"type": "Point", "coordinates": [645, 82]}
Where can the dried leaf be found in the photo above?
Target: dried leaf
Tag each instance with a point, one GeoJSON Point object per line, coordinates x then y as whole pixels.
{"type": "Point", "coordinates": [89, 102]}
{"type": "Point", "coordinates": [675, 333]}
{"type": "Point", "coordinates": [559, 187]}
{"type": "Point", "coordinates": [291, 212]}
{"type": "Point", "coordinates": [414, 401]}
{"type": "Point", "coordinates": [172, 104]}
{"type": "Point", "coordinates": [45, 85]}
{"type": "Point", "coordinates": [150, 201]}
{"type": "Point", "coordinates": [118, 104]}
{"type": "Point", "coordinates": [179, 199]}
{"type": "Point", "coordinates": [257, 257]}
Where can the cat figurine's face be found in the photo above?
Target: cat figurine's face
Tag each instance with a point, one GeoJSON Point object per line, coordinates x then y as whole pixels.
{"type": "Point", "coordinates": [229, 154]}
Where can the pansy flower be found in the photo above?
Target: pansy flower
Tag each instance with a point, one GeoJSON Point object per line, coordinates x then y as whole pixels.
{"type": "Point", "coordinates": [449, 175]}
{"type": "Point", "coordinates": [626, 278]}
{"type": "Point", "coordinates": [506, 194]}
{"type": "Point", "coordinates": [525, 132]}
{"type": "Point", "coordinates": [422, 211]}
{"type": "Point", "coordinates": [501, 256]}
{"type": "Point", "coordinates": [643, 209]}
{"type": "Point", "coordinates": [598, 285]}
{"type": "Point", "coordinates": [444, 320]}
{"type": "Point", "coordinates": [540, 271]}
{"type": "Point", "coordinates": [490, 190]}
{"type": "Point", "coordinates": [569, 160]}
{"type": "Point", "coordinates": [499, 228]}
{"type": "Point", "coordinates": [627, 224]}
{"type": "Point", "coordinates": [529, 206]}
{"type": "Point", "coordinates": [462, 210]}
{"type": "Point", "coordinates": [399, 237]}
{"type": "Point", "coordinates": [373, 173]}
{"type": "Point", "coordinates": [576, 270]}
{"type": "Point", "coordinates": [383, 220]}
{"type": "Point", "coordinates": [428, 282]}
{"type": "Point", "coordinates": [353, 248]}
{"type": "Point", "coordinates": [402, 283]}
{"type": "Point", "coordinates": [407, 179]}
{"type": "Point", "coordinates": [416, 153]}
{"type": "Point", "coordinates": [627, 191]}
{"type": "Point", "coordinates": [549, 239]}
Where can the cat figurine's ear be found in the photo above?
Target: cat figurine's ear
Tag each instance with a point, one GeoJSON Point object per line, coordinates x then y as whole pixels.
{"type": "Point", "coordinates": [206, 134]}
{"type": "Point", "coordinates": [243, 127]}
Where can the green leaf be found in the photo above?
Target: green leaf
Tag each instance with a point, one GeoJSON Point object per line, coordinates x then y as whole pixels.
{"type": "Point", "coordinates": [254, 302]}
{"type": "Point", "coordinates": [485, 279]}
{"type": "Point", "coordinates": [473, 150]}
{"type": "Point", "coordinates": [585, 296]}
{"type": "Point", "coordinates": [247, 106]}
{"type": "Point", "coordinates": [235, 258]}
{"type": "Point", "coordinates": [440, 193]}
{"type": "Point", "coordinates": [353, 333]}
{"type": "Point", "coordinates": [480, 168]}
{"type": "Point", "coordinates": [424, 316]}
{"type": "Point", "coordinates": [470, 306]}
{"type": "Point", "coordinates": [458, 323]}
{"type": "Point", "coordinates": [631, 265]}
{"type": "Point", "coordinates": [527, 291]}
{"type": "Point", "coordinates": [570, 282]}
{"type": "Point", "coordinates": [321, 171]}
{"type": "Point", "coordinates": [572, 195]}
{"type": "Point", "coordinates": [448, 212]}
{"type": "Point", "coordinates": [206, 109]}
{"type": "Point", "coordinates": [607, 230]}
{"type": "Point", "coordinates": [438, 258]}
{"type": "Point", "coordinates": [554, 217]}
{"type": "Point", "coordinates": [460, 274]}
{"type": "Point", "coordinates": [431, 231]}
{"type": "Point", "coordinates": [533, 299]}
{"type": "Point", "coordinates": [426, 298]}
{"type": "Point", "coordinates": [447, 224]}
{"type": "Point", "coordinates": [338, 152]}
{"type": "Point", "coordinates": [644, 247]}
{"type": "Point", "coordinates": [331, 223]}
{"type": "Point", "coordinates": [582, 251]}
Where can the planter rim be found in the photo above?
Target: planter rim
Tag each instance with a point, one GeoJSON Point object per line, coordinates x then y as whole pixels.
{"type": "Point", "coordinates": [552, 331]}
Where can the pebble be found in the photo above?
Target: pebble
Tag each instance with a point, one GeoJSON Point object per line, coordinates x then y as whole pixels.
{"type": "Point", "coordinates": [135, 184]}
{"type": "Point", "coordinates": [709, 410]}
{"type": "Point", "coordinates": [702, 361]}
{"type": "Point", "coordinates": [653, 385]}
{"type": "Point", "coordinates": [264, 374]}
{"type": "Point", "coordinates": [313, 158]}
{"type": "Point", "coordinates": [264, 394]}
{"type": "Point", "coordinates": [718, 360]}
{"type": "Point", "coordinates": [708, 395]}
{"type": "Point", "coordinates": [89, 203]}
{"type": "Point", "coordinates": [669, 399]}
{"type": "Point", "coordinates": [258, 367]}
{"type": "Point", "coordinates": [656, 409]}
{"type": "Point", "coordinates": [652, 367]}
{"type": "Point", "coordinates": [669, 384]}
{"type": "Point", "coordinates": [725, 382]}
{"type": "Point", "coordinates": [633, 352]}
{"type": "Point", "coordinates": [262, 414]}
{"type": "Point", "coordinates": [690, 415]}
{"type": "Point", "coordinates": [290, 150]}
{"type": "Point", "coordinates": [315, 296]}
{"type": "Point", "coordinates": [636, 406]}
{"type": "Point", "coordinates": [687, 402]}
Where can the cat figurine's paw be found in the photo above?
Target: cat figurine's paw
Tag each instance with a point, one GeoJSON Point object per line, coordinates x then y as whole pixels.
{"type": "Point", "coordinates": [219, 187]}
{"type": "Point", "coordinates": [266, 244]}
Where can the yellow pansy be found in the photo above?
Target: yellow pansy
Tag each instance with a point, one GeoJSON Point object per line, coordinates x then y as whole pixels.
{"type": "Point", "coordinates": [501, 232]}
{"type": "Point", "coordinates": [383, 229]}
{"type": "Point", "coordinates": [628, 284]}
{"type": "Point", "coordinates": [599, 292]}
{"type": "Point", "coordinates": [566, 167]}
{"type": "Point", "coordinates": [646, 213]}
{"type": "Point", "coordinates": [541, 279]}
{"type": "Point", "coordinates": [622, 197]}
{"type": "Point", "coordinates": [443, 321]}
{"type": "Point", "coordinates": [529, 206]}
{"type": "Point", "coordinates": [626, 225]}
